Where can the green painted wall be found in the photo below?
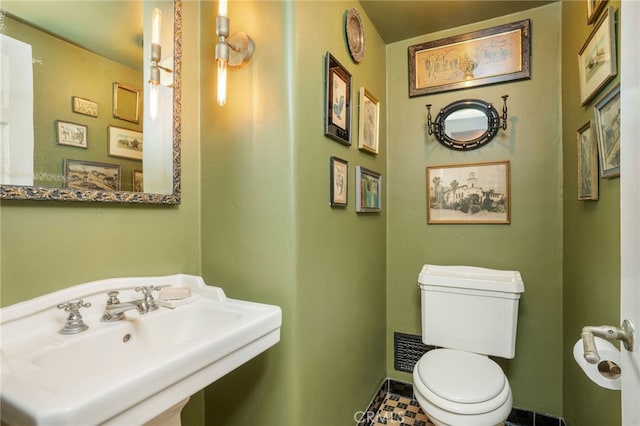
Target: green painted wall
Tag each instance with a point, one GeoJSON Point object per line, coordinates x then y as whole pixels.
{"type": "Point", "coordinates": [591, 234]}
{"type": "Point", "coordinates": [255, 218]}
{"type": "Point", "coordinates": [532, 243]}
{"type": "Point", "coordinates": [268, 231]}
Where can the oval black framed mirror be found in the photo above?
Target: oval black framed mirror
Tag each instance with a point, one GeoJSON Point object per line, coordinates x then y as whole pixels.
{"type": "Point", "coordinates": [80, 149]}
{"type": "Point", "coordinates": [467, 124]}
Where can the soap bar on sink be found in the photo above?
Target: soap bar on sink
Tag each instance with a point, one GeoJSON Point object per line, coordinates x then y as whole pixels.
{"type": "Point", "coordinates": [174, 293]}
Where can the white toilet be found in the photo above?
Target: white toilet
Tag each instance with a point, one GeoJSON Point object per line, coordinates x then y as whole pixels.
{"type": "Point", "coordinates": [469, 313]}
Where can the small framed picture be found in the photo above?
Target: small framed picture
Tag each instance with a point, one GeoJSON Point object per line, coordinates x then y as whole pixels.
{"type": "Point", "coordinates": [369, 122]}
{"type": "Point", "coordinates": [83, 175]}
{"type": "Point", "coordinates": [337, 125]}
{"type": "Point", "coordinates": [594, 7]}
{"type": "Point", "coordinates": [84, 106]}
{"type": "Point", "coordinates": [71, 134]}
{"type": "Point", "coordinates": [607, 116]}
{"type": "Point", "coordinates": [469, 193]}
{"type": "Point", "coordinates": [339, 182]}
{"type": "Point", "coordinates": [126, 103]}
{"type": "Point", "coordinates": [587, 162]}
{"type": "Point", "coordinates": [597, 58]}
{"type": "Point", "coordinates": [137, 179]}
{"type": "Point", "coordinates": [368, 190]}
{"type": "Point", "coordinates": [125, 143]}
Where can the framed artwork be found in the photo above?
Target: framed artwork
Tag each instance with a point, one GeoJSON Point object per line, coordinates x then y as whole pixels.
{"type": "Point", "coordinates": [492, 55]}
{"type": "Point", "coordinates": [84, 106]}
{"type": "Point", "coordinates": [125, 143]}
{"type": "Point", "coordinates": [587, 162]}
{"type": "Point", "coordinates": [597, 58]}
{"type": "Point", "coordinates": [71, 134]}
{"type": "Point", "coordinates": [337, 124]}
{"type": "Point", "coordinates": [594, 7]}
{"type": "Point", "coordinates": [126, 103]}
{"type": "Point", "coordinates": [138, 182]}
{"type": "Point", "coordinates": [607, 116]}
{"type": "Point", "coordinates": [339, 182]}
{"type": "Point", "coordinates": [469, 193]}
{"type": "Point", "coordinates": [368, 190]}
{"type": "Point", "coordinates": [369, 122]}
{"type": "Point", "coordinates": [83, 175]}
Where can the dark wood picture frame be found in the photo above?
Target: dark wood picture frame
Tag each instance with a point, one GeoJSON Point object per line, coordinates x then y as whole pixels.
{"type": "Point", "coordinates": [472, 59]}
{"type": "Point", "coordinates": [472, 193]}
{"type": "Point", "coordinates": [339, 171]}
{"type": "Point", "coordinates": [337, 124]}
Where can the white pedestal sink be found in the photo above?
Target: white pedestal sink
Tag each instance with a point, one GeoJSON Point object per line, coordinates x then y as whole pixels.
{"type": "Point", "coordinates": [129, 371]}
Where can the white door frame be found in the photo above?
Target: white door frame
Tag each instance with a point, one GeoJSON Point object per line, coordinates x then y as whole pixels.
{"type": "Point", "coordinates": [629, 21]}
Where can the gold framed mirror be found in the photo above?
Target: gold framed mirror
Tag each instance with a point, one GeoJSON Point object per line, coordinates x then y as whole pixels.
{"type": "Point", "coordinates": [38, 172]}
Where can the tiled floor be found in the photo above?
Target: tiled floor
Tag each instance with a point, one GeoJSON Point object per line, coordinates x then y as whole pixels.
{"type": "Point", "coordinates": [393, 405]}
{"type": "Point", "coordinates": [400, 411]}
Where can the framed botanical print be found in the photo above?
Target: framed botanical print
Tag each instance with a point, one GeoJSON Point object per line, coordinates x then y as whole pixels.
{"type": "Point", "coordinates": [339, 182]}
{"type": "Point", "coordinates": [369, 122]}
{"type": "Point", "coordinates": [337, 101]}
{"type": "Point", "coordinates": [368, 190]}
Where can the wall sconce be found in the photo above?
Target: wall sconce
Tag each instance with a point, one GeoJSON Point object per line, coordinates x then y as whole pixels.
{"type": "Point", "coordinates": [233, 50]}
{"type": "Point", "coordinates": [467, 124]}
{"type": "Point", "coordinates": [157, 64]}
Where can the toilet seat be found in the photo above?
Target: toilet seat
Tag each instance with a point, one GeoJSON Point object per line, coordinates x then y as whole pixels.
{"type": "Point", "coordinates": [461, 382]}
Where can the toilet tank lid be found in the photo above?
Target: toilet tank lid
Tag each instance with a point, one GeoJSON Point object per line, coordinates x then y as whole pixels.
{"type": "Point", "coordinates": [471, 277]}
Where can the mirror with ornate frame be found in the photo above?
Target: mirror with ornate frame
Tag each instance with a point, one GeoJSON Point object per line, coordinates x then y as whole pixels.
{"type": "Point", "coordinates": [79, 147]}
{"type": "Point", "coordinates": [467, 124]}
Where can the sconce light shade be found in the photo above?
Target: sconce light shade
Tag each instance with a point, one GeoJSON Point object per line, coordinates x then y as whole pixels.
{"type": "Point", "coordinates": [233, 50]}
{"type": "Point", "coordinates": [153, 101]}
{"type": "Point", "coordinates": [157, 65]}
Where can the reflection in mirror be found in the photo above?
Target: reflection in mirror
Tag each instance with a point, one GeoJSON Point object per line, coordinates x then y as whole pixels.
{"type": "Point", "coordinates": [467, 124]}
{"type": "Point", "coordinates": [69, 98]}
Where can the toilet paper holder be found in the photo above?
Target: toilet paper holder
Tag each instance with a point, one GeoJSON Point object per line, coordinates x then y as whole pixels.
{"type": "Point", "coordinates": [623, 333]}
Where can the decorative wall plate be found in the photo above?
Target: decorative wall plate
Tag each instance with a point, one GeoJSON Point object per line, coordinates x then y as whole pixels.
{"type": "Point", "coordinates": [354, 31]}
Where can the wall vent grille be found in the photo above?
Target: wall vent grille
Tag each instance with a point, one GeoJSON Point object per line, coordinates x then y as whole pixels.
{"type": "Point", "coordinates": [407, 350]}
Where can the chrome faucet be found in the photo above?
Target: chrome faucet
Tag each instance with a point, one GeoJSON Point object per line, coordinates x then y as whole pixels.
{"type": "Point", "coordinates": [114, 311]}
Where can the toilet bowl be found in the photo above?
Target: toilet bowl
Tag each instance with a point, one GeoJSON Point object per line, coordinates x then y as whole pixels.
{"type": "Point", "coordinates": [458, 388]}
{"type": "Point", "coordinates": [469, 313]}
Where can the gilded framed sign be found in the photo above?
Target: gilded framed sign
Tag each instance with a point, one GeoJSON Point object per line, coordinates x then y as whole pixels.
{"type": "Point", "coordinates": [492, 55]}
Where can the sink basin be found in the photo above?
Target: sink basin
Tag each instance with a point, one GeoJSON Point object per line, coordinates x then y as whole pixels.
{"type": "Point", "coordinates": [128, 371]}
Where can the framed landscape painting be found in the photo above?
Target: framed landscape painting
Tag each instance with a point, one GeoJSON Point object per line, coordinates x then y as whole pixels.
{"type": "Point", "coordinates": [587, 162]}
{"type": "Point", "coordinates": [597, 58]}
{"type": "Point", "coordinates": [469, 193]}
{"type": "Point", "coordinates": [607, 115]}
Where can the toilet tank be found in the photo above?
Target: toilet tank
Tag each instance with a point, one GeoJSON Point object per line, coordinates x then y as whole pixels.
{"type": "Point", "coordinates": [470, 308]}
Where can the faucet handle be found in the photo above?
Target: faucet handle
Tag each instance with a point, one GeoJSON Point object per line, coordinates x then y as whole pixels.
{"type": "Point", "coordinates": [147, 297]}
{"type": "Point", "coordinates": [146, 290]}
{"type": "Point", "coordinates": [74, 323]}
{"type": "Point", "coordinates": [74, 307]}
{"type": "Point", "coordinates": [113, 297]}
